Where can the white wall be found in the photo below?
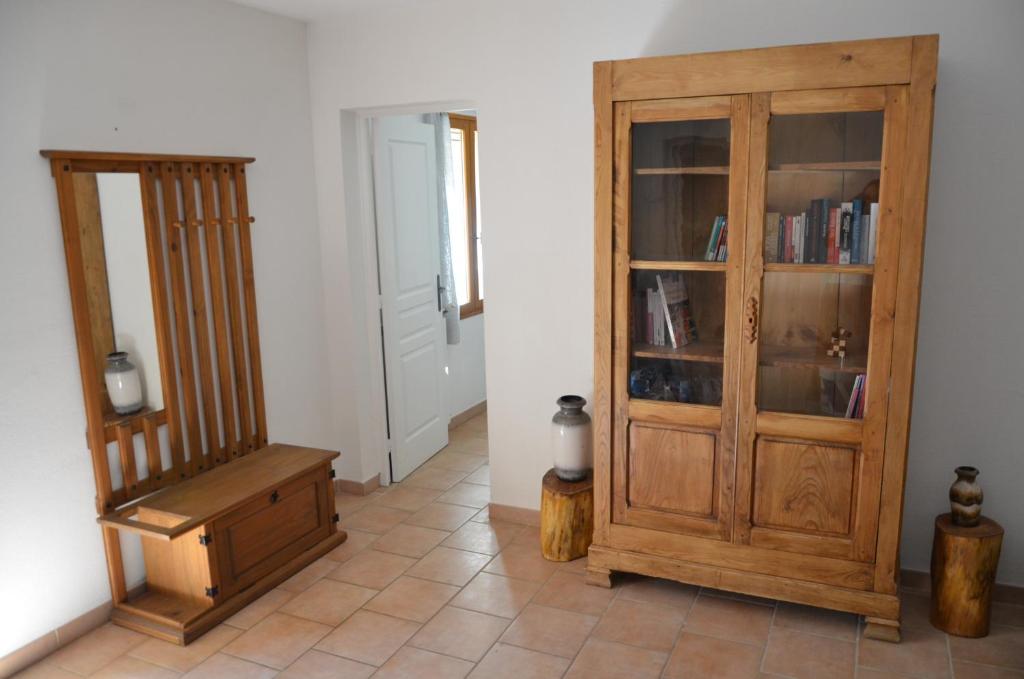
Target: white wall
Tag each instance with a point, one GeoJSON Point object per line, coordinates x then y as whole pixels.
{"type": "Point", "coordinates": [467, 381]}
{"type": "Point", "coordinates": [135, 75]}
{"type": "Point", "coordinates": [527, 67]}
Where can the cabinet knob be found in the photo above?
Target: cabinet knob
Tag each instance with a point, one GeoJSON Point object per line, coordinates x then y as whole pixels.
{"type": "Point", "coordinates": [274, 497]}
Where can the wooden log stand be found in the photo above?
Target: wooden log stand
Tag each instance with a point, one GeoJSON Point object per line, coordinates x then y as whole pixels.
{"type": "Point", "coordinates": [964, 561]}
{"type": "Point", "coordinates": [566, 517]}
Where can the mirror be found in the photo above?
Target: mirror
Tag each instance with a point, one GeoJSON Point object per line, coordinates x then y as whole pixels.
{"type": "Point", "coordinates": [116, 262]}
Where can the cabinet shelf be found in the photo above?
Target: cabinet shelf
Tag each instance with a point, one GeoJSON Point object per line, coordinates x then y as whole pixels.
{"type": "Point", "coordinates": [868, 269]}
{"type": "Point", "coordinates": [769, 356]}
{"type": "Point", "coordinates": [673, 265]}
{"type": "Point", "coordinates": [838, 166]}
{"type": "Point", "coordinates": [706, 169]}
{"type": "Point", "coordinates": [700, 352]}
{"type": "Point", "coordinates": [794, 357]}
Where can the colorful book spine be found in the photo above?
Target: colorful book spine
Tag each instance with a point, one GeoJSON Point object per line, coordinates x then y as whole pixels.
{"type": "Point", "coordinates": [826, 211]}
{"type": "Point", "coordinates": [664, 308]}
{"type": "Point", "coordinates": [857, 213]}
{"type": "Point", "coordinates": [845, 232]}
{"type": "Point", "coordinates": [771, 237]}
{"type": "Point", "coordinates": [787, 249]}
{"type": "Point", "coordinates": [711, 250]}
{"type": "Point", "coordinates": [798, 237]}
{"type": "Point", "coordinates": [831, 244]}
{"type": "Point", "coordinates": [723, 241]}
{"type": "Point", "coordinates": [872, 233]}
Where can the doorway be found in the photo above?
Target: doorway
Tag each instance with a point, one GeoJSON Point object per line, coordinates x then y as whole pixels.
{"type": "Point", "coordinates": [431, 295]}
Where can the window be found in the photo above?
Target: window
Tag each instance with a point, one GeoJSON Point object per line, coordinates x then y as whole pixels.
{"type": "Point", "coordinates": [464, 218]}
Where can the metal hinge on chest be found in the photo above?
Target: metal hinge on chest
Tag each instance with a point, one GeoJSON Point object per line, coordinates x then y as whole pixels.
{"type": "Point", "coordinates": [205, 539]}
{"type": "Point", "coordinates": [212, 591]}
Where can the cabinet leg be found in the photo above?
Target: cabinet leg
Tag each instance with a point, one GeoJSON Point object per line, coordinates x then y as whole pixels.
{"type": "Point", "coordinates": [882, 630]}
{"type": "Point", "coordinates": [599, 577]}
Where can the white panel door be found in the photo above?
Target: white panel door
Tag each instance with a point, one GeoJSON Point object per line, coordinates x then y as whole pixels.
{"type": "Point", "coordinates": [405, 191]}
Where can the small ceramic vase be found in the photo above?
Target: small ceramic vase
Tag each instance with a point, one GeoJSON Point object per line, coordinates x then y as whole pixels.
{"type": "Point", "coordinates": [123, 384]}
{"type": "Point", "coordinates": [570, 439]}
{"type": "Point", "coordinates": [965, 497]}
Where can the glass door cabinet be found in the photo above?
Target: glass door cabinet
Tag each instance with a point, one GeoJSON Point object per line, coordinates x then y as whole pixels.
{"type": "Point", "coordinates": [759, 221]}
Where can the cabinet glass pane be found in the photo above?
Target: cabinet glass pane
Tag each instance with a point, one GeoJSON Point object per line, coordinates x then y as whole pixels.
{"type": "Point", "coordinates": [822, 188]}
{"type": "Point", "coordinates": [808, 316]}
{"type": "Point", "coordinates": [680, 190]}
{"type": "Point", "coordinates": [687, 308]}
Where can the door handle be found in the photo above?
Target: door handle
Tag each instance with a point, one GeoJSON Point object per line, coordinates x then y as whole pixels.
{"type": "Point", "coordinates": [439, 289]}
{"type": "Point", "coordinates": [750, 322]}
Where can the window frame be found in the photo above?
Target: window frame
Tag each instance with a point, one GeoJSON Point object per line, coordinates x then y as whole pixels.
{"type": "Point", "coordinates": [468, 125]}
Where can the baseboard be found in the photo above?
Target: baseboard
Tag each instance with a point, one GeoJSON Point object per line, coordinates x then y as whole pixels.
{"type": "Point", "coordinates": [357, 487]}
{"type": "Point", "coordinates": [467, 415]}
{"type": "Point", "coordinates": [36, 650]}
{"type": "Point", "coordinates": [529, 517]}
{"type": "Point", "coordinates": [919, 581]}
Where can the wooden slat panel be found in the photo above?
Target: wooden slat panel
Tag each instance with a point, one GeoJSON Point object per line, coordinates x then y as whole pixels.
{"type": "Point", "coordinates": [828, 101]}
{"type": "Point", "coordinates": [126, 450]}
{"type": "Point", "coordinates": [666, 110]}
{"type": "Point", "coordinates": [620, 309]}
{"type": "Point", "coordinates": [249, 287]}
{"type": "Point", "coordinates": [212, 228]}
{"type": "Point", "coordinates": [883, 309]}
{"type": "Point", "coordinates": [810, 428]}
{"type": "Point", "coordinates": [603, 142]}
{"type": "Point", "coordinates": [753, 266]}
{"type": "Point", "coordinates": [228, 224]}
{"type": "Point", "coordinates": [913, 212]}
{"type": "Point", "coordinates": [153, 460]}
{"type": "Point", "coordinates": [183, 333]}
{"type": "Point", "coordinates": [200, 315]}
{"type": "Point", "coordinates": [799, 67]}
{"type": "Point", "coordinates": [162, 317]}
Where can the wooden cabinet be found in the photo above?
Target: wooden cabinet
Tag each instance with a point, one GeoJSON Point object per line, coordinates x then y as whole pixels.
{"type": "Point", "coordinates": [759, 226]}
{"type": "Point", "coordinates": [219, 540]}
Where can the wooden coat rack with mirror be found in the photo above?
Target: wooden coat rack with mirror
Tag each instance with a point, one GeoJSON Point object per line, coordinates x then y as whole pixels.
{"type": "Point", "coordinates": [159, 258]}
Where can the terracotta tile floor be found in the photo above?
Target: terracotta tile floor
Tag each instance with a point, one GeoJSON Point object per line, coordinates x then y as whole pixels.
{"type": "Point", "coordinates": [428, 586]}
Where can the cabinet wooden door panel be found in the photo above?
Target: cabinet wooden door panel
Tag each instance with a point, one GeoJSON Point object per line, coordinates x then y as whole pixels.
{"type": "Point", "coordinates": [672, 470]}
{"type": "Point", "coordinates": [261, 535]}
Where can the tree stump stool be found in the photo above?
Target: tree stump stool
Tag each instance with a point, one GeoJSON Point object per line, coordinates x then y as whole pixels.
{"type": "Point", "coordinates": [566, 517]}
{"type": "Point", "coordinates": [964, 564]}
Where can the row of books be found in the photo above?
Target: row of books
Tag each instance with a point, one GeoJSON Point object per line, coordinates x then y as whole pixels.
{"type": "Point", "coordinates": [825, 234]}
{"type": "Point", "coordinates": [855, 408]}
{"type": "Point", "coordinates": [717, 250]}
{"type": "Point", "coordinates": [663, 315]}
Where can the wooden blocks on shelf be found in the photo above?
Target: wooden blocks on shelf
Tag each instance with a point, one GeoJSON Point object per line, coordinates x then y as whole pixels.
{"type": "Point", "coordinates": [566, 517]}
{"type": "Point", "coordinates": [838, 347]}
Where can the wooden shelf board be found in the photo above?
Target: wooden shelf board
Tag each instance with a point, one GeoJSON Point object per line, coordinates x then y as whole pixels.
{"type": "Point", "coordinates": [868, 269]}
{"type": "Point", "coordinates": [793, 357]}
{"type": "Point", "coordinates": [707, 169]}
{"type": "Point", "coordinates": [840, 166]}
{"type": "Point", "coordinates": [700, 352]}
{"type": "Point", "coordinates": [700, 265]}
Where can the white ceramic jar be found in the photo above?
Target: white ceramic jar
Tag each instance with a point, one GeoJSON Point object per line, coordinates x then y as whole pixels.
{"type": "Point", "coordinates": [571, 444]}
{"type": "Point", "coordinates": [123, 385]}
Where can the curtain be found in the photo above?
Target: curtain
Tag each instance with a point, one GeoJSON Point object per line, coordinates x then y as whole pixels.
{"type": "Point", "coordinates": [445, 188]}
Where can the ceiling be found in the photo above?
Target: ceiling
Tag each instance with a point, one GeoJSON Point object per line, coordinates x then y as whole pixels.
{"type": "Point", "coordinates": [311, 10]}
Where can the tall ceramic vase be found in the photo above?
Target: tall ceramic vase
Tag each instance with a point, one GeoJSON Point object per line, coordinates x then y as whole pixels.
{"type": "Point", "coordinates": [570, 439]}
{"type": "Point", "coordinates": [965, 497]}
